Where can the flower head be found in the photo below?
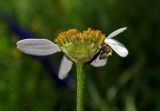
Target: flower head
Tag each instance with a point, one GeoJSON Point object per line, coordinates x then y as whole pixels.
{"type": "Point", "coordinates": [89, 46]}
{"type": "Point", "coordinates": [80, 46]}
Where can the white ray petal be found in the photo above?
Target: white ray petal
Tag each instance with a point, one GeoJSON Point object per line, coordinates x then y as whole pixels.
{"type": "Point", "coordinates": [118, 47]}
{"type": "Point", "coordinates": [65, 67]}
{"type": "Point", "coordinates": [99, 62]}
{"type": "Point", "coordinates": [37, 47]}
{"type": "Point", "coordinates": [116, 32]}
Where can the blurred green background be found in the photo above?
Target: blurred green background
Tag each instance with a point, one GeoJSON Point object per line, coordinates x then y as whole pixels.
{"type": "Point", "coordinates": [124, 84]}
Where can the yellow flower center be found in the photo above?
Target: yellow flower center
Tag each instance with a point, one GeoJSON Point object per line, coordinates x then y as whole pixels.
{"type": "Point", "coordinates": [80, 46]}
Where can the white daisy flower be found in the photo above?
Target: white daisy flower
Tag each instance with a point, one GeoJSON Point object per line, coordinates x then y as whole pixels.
{"type": "Point", "coordinates": [82, 49]}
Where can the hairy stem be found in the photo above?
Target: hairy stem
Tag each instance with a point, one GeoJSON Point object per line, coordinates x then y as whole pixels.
{"type": "Point", "coordinates": [80, 87]}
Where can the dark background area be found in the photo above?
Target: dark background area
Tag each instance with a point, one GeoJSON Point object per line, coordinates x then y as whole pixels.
{"type": "Point", "coordinates": [124, 84]}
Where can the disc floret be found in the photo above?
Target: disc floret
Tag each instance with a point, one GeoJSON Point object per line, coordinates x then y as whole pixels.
{"type": "Point", "coordinates": [80, 47]}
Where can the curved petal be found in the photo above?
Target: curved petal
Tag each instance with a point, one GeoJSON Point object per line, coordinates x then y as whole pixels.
{"type": "Point", "coordinates": [99, 62]}
{"type": "Point", "coordinates": [118, 47]}
{"type": "Point", "coordinates": [65, 67]}
{"type": "Point", "coordinates": [116, 32]}
{"type": "Point", "coordinates": [37, 47]}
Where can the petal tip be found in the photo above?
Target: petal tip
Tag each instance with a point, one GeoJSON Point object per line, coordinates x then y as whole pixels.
{"type": "Point", "coordinates": [126, 54]}
{"type": "Point", "coordinates": [61, 77]}
{"type": "Point", "coordinates": [124, 28]}
{"type": "Point", "coordinates": [116, 32]}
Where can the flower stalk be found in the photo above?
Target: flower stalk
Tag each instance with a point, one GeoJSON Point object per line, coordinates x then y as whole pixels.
{"type": "Point", "coordinates": [80, 86]}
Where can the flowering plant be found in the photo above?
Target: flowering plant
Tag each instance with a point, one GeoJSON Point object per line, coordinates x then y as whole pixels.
{"type": "Point", "coordinates": [90, 46]}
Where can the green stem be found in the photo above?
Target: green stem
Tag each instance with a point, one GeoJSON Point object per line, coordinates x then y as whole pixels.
{"type": "Point", "coordinates": [80, 87]}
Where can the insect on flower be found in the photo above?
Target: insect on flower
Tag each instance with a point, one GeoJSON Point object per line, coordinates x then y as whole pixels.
{"type": "Point", "coordinates": [90, 46]}
{"type": "Point", "coordinates": [106, 49]}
